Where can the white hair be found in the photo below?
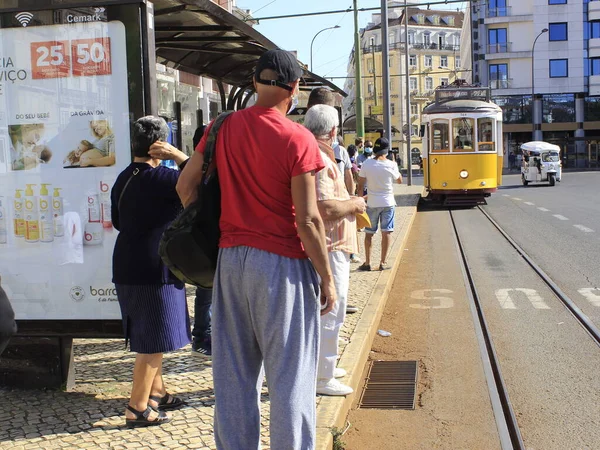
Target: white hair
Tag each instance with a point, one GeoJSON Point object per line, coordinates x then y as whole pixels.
{"type": "Point", "coordinates": [321, 119]}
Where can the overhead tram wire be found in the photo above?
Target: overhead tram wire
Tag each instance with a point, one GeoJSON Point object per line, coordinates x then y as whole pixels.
{"type": "Point", "coordinates": [263, 7]}
{"type": "Point", "coordinates": [342, 11]}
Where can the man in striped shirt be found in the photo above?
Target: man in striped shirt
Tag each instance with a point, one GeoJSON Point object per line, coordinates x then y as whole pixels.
{"type": "Point", "coordinates": [338, 211]}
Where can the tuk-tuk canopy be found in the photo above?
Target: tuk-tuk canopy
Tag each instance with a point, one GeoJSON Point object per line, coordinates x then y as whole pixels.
{"type": "Point", "coordinates": [539, 146]}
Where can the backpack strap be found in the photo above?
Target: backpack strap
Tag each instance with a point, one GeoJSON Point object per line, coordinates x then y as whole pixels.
{"type": "Point", "coordinates": [135, 172]}
{"type": "Point", "coordinates": [211, 140]}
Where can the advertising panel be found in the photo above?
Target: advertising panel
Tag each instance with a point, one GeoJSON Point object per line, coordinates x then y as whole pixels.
{"type": "Point", "coordinates": [64, 138]}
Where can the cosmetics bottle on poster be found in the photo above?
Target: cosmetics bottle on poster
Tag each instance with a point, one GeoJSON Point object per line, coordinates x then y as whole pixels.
{"type": "Point", "coordinates": [105, 204]}
{"type": "Point", "coordinates": [93, 208]}
{"type": "Point", "coordinates": [32, 225]}
{"type": "Point", "coordinates": [3, 231]}
{"type": "Point", "coordinates": [18, 215]}
{"type": "Point", "coordinates": [93, 233]}
{"type": "Point", "coordinates": [58, 213]}
{"type": "Point", "coordinates": [45, 211]}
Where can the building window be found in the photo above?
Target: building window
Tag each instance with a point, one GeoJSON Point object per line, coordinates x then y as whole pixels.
{"type": "Point", "coordinates": [435, 20]}
{"type": "Point", "coordinates": [427, 39]}
{"type": "Point", "coordinates": [444, 61]}
{"type": "Point", "coordinates": [420, 18]}
{"type": "Point", "coordinates": [594, 30]}
{"type": "Point", "coordinates": [558, 31]}
{"type": "Point", "coordinates": [393, 109]}
{"type": "Point", "coordinates": [441, 41]}
{"type": "Point", "coordinates": [391, 84]}
{"type": "Point", "coordinates": [498, 76]}
{"type": "Point", "coordinates": [413, 84]}
{"type": "Point", "coordinates": [497, 40]}
{"type": "Point", "coordinates": [428, 61]}
{"type": "Point", "coordinates": [558, 108]}
{"type": "Point", "coordinates": [370, 65]}
{"type": "Point", "coordinates": [391, 39]}
{"type": "Point", "coordinates": [412, 60]}
{"type": "Point", "coordinates": [370, 87]}
{"type": "Point", "coordinates": [457, 62]}
{"type": "Point", "coordinates": [411, 38]}
{"type": "Point", "coordinates": [443, 81]}
{"type": "Point", "coordinates": [414, 109]}
{"type": "Point", "coordinates": [559, 68]}
{"type": "Point", "coordinates": [429, 83]}
{"type": "Point", "coordinates": [497, 8]}
{"type": "Point", "coordinates": [595, 66]}
{"type": "Point", "coordinates": [557, 2]}
{"type": "Point", "coordinates": [450, 20]}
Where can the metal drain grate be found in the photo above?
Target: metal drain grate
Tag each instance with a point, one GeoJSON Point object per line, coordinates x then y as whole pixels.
{"type": "Point", "coordinates": [390, 385]}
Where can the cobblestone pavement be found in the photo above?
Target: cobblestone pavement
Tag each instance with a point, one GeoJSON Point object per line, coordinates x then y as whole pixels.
{"type": "Point", "coordinates": [91, 415]}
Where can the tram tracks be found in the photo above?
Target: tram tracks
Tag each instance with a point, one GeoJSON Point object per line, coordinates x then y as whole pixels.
{"type": "Point", "coordinates": [506, 420]}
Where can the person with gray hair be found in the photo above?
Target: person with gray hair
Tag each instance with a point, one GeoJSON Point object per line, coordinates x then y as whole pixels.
{"type": "Point", "coordinates": [153, 303]}
{"type": "Point", "coordinates": [338, 210]}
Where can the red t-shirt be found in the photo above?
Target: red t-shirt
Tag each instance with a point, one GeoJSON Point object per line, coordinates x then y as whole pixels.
{"type": "Point", "coordinates": [258, 152]}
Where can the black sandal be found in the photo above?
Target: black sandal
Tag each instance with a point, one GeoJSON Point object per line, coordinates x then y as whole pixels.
{"type": "Point", "coordinates": [142, 418]}
{"type": "Point", "coordinates": [167, 402]}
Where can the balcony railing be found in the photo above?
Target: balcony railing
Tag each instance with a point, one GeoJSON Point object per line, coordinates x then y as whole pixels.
{"type": "Point", "coordinates": [502, 11]}
{"type": "Point", "coordinates": [501, 84]}
{"type": "Point", "coordinates": [416, 45]}
{"type": "Point", "coordinates": [502, 47]}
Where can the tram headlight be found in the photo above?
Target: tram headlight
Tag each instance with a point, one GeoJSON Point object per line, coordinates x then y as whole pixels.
{"type": "Point", "coordinates": [483, 183]}
{"type": "Point", "coordinates": [444, 184]}
{"type": "Point", "coordinates": [464, 174]}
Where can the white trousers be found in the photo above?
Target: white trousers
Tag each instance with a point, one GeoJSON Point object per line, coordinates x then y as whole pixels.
{"type": "Point", "coordinates": [331, 323]}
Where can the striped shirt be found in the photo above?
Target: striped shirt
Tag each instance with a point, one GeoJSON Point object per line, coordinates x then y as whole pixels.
{"type": "Point", "coordinates": [340, 234]}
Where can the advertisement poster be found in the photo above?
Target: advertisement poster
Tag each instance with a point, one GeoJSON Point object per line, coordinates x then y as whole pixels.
{"type": "Point", "coordinates": [64, 138]}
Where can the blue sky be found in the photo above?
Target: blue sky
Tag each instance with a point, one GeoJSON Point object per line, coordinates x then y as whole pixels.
{"type": "Point", "coordinates": [331, 48]}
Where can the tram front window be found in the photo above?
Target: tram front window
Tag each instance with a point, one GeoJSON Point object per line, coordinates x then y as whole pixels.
{"type": "Point", "coordinates": [485, 135]}
{"type": "Point", "coordinates": [440, 137]}
{"type": "Point", "coordinates": [462, 130]}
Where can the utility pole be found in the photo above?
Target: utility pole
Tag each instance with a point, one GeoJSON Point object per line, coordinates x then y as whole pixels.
{"type": "Point", "coordinates": [374, 69]}
{"type": "Point", "coordinates": [408, 122]}
{"type": "Point", "coordinates": [385, 65]}
{"type": "Point", "coordinates": [360, 113]}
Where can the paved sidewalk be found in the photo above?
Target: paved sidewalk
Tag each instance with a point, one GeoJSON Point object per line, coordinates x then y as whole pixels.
{"type": "Point", "coordinates": [91, 415]}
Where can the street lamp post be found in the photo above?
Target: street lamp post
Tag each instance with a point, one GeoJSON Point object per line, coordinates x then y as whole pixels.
{"type": "Point", "coordinates": [313, 40]}
{"type": "Point", "coordinates": [533, 108]}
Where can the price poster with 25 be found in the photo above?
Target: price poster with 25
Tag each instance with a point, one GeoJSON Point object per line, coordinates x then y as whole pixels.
{"type": "Point", "coordinates": [64, 138]}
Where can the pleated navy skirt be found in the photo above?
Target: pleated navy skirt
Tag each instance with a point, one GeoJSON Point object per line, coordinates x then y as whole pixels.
{"type": "Point", "coordinates": [155, 317]}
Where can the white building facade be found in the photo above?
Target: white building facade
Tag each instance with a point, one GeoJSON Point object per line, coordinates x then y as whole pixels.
{"type": "Point", "coordinates": [563, 69]}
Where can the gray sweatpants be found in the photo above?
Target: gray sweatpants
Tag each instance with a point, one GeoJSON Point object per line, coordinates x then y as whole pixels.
{"type": "Point", "coordinates": [265, 311]}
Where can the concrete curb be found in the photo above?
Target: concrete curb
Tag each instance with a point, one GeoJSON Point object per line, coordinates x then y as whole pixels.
{"type": "Point", "coordinates": [332, 411]}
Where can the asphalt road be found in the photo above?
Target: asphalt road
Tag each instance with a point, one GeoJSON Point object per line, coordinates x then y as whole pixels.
{"type": "Point", "coordinates": [548, 362]}
{"type": "Point", "coordinates": [559, 227]}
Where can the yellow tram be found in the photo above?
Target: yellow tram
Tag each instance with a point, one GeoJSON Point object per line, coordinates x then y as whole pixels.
{"type": "Point", "coordinates": [462, 142]}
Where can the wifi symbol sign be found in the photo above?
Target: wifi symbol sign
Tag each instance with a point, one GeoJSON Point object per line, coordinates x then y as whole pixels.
{"type": "Point", "coordinates": [24, 18]}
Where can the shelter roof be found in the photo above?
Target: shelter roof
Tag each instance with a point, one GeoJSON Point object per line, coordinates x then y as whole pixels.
{"type": "Point", "coordinates": [200, 37]}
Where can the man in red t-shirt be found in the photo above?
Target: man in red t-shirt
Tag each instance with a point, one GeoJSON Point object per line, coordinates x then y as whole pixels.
{"type": "Point", "coordinates": [266, 290]}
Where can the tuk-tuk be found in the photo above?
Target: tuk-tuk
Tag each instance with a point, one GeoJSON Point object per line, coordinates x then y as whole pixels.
{"type": "Point", "coordinates": [541, 162]}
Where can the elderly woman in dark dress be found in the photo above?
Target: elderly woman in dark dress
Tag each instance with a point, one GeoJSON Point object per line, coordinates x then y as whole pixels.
{"type": "Point", "coordinates": [153, 303]}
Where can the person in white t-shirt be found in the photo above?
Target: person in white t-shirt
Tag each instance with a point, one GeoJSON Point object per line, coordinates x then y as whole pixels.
{"type": "Point", "coordinates": [380, 173]}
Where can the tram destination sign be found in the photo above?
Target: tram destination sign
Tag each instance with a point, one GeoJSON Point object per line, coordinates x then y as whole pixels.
{"type": "Point", "coordinates": [462, 93]}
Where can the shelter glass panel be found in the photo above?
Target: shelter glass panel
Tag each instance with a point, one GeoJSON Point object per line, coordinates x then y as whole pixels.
{"type": "Point", "coordinates": [463, 132]}
{"type": "Point", "coordinates": [440, 136]}
{"type": "Point", "coordinates": [486, 141]}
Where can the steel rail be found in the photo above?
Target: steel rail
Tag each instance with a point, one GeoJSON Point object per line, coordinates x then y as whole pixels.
{"type": "Point", "coordinates": [579, 315]}
{"type": "Point", "coordinates": [506, 421]}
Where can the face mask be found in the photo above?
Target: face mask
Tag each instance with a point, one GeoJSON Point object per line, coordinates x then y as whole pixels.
{"type": "Point", "coordinates": [368, 150]}
{"type": "Point", "coordinates": [294, 104]}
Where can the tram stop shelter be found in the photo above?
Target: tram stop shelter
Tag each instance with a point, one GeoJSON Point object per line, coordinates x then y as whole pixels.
{"type": "Point", "coordinates": [81, 63]}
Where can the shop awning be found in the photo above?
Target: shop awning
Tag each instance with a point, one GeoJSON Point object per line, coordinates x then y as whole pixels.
{"type": "Point", "coordinates": [370, 124]}
{"type": "Point", "coordinates": [200, 37]}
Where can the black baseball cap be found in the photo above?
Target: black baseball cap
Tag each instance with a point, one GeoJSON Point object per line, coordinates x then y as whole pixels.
{"type": "Point", "coordinates": [283, 63]}
{"type": "Point", "coordinates": [381, 147]}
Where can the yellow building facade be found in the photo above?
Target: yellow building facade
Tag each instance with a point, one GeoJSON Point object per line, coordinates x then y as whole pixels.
{"type": "Point", "coordinates": [434, 60]}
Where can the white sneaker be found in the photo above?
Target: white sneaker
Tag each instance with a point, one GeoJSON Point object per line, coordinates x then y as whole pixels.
{"type": "Point", "coordinates": [338, 372]}
{"type": "Point", "coordinates": [333, 387]}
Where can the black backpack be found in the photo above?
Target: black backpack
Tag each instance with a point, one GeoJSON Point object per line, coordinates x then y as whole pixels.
{"type": "Point", "coordinates": [190, 246]}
